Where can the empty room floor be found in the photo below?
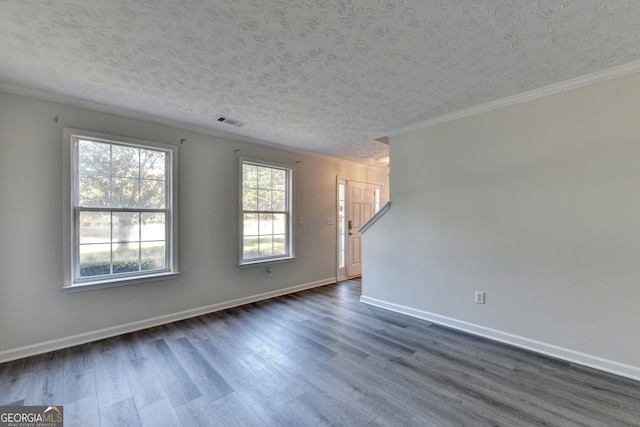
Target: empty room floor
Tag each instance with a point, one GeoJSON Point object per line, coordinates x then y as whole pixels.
{"type": "Point", "coordinates": [318, 357]}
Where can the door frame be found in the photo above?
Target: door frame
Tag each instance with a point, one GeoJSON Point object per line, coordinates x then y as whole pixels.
{"type": "Point", "coordinates": [342, 252]}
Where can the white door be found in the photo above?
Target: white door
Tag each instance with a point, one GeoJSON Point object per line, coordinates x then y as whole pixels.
{"type": "Point", "coordinates": [360, 207]}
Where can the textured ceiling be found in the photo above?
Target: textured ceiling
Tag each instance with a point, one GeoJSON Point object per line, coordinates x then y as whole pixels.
{"type": "Point", "coordinates": [325, 76]}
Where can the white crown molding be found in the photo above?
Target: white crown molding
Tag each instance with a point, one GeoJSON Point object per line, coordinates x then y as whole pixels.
{"type": "Point", "coordinates": [567, 85]}
{"type": "Point", "coordinates": [44, 95]}
{"type": "Point", "coordinates": [558, 352]}
{"type": "Point", "coordinates": [65, 342]}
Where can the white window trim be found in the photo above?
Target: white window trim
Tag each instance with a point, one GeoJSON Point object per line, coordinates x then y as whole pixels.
{"type": "Point", "coordinates": [242, 263]}
{"type": "Point", "coordinates": [68, 215]}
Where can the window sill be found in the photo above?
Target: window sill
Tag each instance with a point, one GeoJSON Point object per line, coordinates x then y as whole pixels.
{"type": "Point", "coordinates": [112, 283]}
{"type": "Point", "coordinates": [262, 262]}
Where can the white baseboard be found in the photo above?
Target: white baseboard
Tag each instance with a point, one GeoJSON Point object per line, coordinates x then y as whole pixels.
{"type": "Point", "coordinates": [562, 353]}
{"type": "Point", "coordinates": [57, 344]}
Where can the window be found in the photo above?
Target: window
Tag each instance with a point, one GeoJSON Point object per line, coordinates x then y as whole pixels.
{"type": "Point", "coordinates": [342, 225]}
{"type": "Point", "coordinates": [122, 209]}
{"type": "Point", "coordinates": [266, 213]}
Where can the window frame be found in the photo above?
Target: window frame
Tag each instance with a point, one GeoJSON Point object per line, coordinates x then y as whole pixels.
{"type": "Point", "coordinates": [72, 280]}
{"type": "Point", "coordinates": [289, 240]}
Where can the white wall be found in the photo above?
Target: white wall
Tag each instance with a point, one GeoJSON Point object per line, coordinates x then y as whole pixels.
{"type": "Point", "coordinates": [35, 314]}
{"type": "Point", "coordinates": [536, 204]}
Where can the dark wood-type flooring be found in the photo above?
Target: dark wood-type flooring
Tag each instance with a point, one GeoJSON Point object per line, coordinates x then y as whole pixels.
{"type": "Point", "coordinates": [318, 357]}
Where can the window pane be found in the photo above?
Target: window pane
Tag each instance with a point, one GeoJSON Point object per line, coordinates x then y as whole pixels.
{"type": "Point", "coordinates": [265, 190]}
{"type": "Point", "coordinates": [264, 200]}
{"type": "Point", "coordinates": [279, 200]}
{"type": "Point", "coordinates": [153, 227]}
{"type": "Point", "coordinates": [266, 246]}
{"type": "Point", "coordinates": [249, 199]}
{"type": "Point", "coordinates": [111, 176]}
{"type": "Point", "coordinates": [126, 226]}
{"type": "Point", "coordinates": [279, 247]}
{"type": "Point", "coordinates": [153, 165]}
{"type": "Point", "coordinates": [95, 260]}
{"type": "Point", "coordinates": [249, 176]}
{"type": "Point", "coordinates": [125, 161]}
{"type": "Point", "coordinates": [264, 177]}
{"type": "Point", "coordinates": [152, 256]}
{"type": "Point", "coordinates": [94, 191]}
{"type": "Point", "coordinates": [95, 227]}
{"type": "Point", "coordinates": [250, 225]}
{"type": "Point", "coordinates": [125, 193]}
{"type": "Point", "coordinates": [341, 191]}
{"type": "Point", "coordinates": [94, 158]}
{"type": "Point", "coordinates": [152, 194]}
{"type": "Point", "coordinates": [279, 223]}
{"type": "Point", "coordinates": [250, 247]}
{"type": "Point", "coordinates": [125, 257]}
{"type": "Point", "coordinates": [266, 224]}
{"type": "Point", "coordinates": [279, 179]}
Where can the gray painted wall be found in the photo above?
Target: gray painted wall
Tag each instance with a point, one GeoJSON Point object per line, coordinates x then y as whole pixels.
{"type": "Point", "coordinates": [33, 308]}
{"type": "Point", "coordinates": [538, 205]}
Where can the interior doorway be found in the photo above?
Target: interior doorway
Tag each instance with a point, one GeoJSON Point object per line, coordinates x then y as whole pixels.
{"type": "Point", "coordinates": [357, 202]}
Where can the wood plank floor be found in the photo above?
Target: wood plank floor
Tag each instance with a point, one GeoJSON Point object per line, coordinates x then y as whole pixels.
{"type": "Point", "coordinates": [318, 357]}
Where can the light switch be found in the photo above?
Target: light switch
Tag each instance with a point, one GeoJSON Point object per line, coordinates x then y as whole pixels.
{"type": "Point", "coordinates": [330, 220]}
{"type": "Point", "coordinates": [300, 220]}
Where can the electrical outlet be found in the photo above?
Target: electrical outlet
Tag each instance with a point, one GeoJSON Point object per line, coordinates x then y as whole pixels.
{"type": "Point", "coordinates": [479, 297]}
{"type": "Point", "coordinates": [267, 271]}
